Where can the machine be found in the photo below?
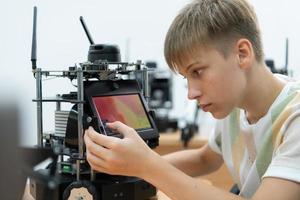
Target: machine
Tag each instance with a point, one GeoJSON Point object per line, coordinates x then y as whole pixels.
{"type": "Point", "coordinates": [106, 90]}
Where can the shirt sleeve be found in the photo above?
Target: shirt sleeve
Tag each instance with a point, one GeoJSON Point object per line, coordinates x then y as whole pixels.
{"type": "Point", "coordinates": [215, 140]}
{"type": "Point", "coordinates": [286, 159]}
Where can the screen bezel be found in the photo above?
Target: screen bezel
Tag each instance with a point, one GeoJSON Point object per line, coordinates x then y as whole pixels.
{"type": "Point", "coordinates": [119, 87]}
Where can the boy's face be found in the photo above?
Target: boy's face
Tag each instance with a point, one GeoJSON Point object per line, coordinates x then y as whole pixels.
{"type": "Point", "coordinates": [217, 83]}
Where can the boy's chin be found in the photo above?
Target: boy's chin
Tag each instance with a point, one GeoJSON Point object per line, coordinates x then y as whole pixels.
{"type": "Point", "coordinates": [219, 114]}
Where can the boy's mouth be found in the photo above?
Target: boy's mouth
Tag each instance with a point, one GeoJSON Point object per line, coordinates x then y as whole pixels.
{"type": "Point", "coordinates": [205, 107]}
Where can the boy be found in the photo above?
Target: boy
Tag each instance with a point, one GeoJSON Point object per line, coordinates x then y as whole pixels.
{"type": "Point", "coordinates": [216, 46]}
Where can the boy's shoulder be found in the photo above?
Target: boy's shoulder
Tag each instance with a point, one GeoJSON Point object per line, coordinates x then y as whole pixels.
{"type": "Point", "coordinates": [286, 103]}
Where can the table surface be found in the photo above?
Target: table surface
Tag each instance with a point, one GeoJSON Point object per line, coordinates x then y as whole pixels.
{"type": "Point", "coordinates": [173, 138]}
{"type": "Point", "coordinates": [170, 142]}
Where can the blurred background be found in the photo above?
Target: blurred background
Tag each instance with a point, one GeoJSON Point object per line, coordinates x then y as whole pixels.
{"type": "Point", "coordinates": [137, 26]}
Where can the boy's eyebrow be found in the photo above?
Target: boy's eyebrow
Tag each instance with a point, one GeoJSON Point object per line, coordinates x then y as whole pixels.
{"type": "Point", "coordinates": [186, 69]}
{"type": "Point", "coordinates": [191, 65]}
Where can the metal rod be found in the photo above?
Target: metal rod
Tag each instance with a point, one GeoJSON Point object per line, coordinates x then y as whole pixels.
{"type": "Point", "coordinates": [80, 98]}
{"type": "Point", "coordinates": [92, 175]}
{"type": "Point", "coordinates": [286, 53]}
{"type": "Point", "coordinates": [39, 104]}
{"type": "Point", "coordinates": [58, 108]}
{"type": "Point", "coordinates": [145, 84]}
{"type": "Point", "coordinates": [33, 47]}
{"type": "Point", "coordinates": [58, 104]}
{"type": "Point", "coordinates": [78, 170]}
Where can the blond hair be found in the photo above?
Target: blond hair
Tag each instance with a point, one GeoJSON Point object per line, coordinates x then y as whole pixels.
{"type": "Point", "coordinates": [216, 23]}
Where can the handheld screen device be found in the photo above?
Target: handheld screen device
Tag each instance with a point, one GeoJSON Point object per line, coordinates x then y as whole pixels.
{"type": "Point", "coordinates": [127, 109]}
{"type": "Point", "coordinates": [120, 101]}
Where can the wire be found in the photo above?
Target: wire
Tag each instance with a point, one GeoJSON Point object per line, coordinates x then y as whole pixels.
{"type": "Point", "coordinates": [48, 79]}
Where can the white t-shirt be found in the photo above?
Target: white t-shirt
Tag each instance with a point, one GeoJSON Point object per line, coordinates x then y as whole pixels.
{"type": "Point", "coordinates": [268, 148]}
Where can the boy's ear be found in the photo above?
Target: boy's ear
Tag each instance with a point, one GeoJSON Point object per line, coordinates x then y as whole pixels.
{"type": "Point", "coordinates": [245, 53]}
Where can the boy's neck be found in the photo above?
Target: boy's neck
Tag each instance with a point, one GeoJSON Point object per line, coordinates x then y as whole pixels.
{"type": "Point", "coordinates": [262, 89]}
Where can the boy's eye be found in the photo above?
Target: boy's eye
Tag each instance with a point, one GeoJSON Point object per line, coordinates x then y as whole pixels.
{"type": "Point", "coordinates": [196, 73]}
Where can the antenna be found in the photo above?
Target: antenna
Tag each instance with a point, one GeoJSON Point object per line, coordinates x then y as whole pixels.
{"type": "Point", "coordinates": [286, 53]}
{"type": "Point", "coordinates": [33, 48]}
{"type": "Point", "coordinates": [86, 30]}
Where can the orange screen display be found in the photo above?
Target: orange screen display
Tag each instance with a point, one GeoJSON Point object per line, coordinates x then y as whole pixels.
{"type": "Point", "coordinates": [127, 109]}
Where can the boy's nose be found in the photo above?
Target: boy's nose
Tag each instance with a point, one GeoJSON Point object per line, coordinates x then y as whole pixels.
{"type": "Point", "coordinates": [193, 93]}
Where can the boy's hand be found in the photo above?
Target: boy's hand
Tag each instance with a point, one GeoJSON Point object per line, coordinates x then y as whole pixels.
{"type": "Point", "coordinates": [129, 156]}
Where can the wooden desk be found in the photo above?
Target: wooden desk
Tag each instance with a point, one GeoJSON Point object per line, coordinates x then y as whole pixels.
{"type": "Point", "coordinates": [170, 142]}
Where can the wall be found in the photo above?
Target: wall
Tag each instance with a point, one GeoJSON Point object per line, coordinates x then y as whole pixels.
{"type": "Point", "coordinates": [139, 23]}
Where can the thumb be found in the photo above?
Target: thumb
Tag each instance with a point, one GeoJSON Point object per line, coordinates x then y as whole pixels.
{"type": "Point", "coordinates": [121, 128]}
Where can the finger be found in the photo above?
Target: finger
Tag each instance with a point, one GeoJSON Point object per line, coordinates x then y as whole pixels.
{"type": "Point", "coordinates": [95, 162]}
{"type": "Point", "coordinates": [98, 164]}
{"type": "Point", "coordinates": [121, 128]}
{"type": "Point", "coordinates": [100, 139]}
{"type": "Point", "coordinates": [95, 148]}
